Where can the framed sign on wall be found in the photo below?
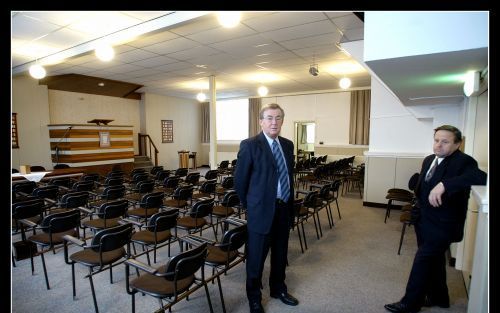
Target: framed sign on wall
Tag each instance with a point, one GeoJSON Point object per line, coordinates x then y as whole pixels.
{"type": "Point", "coordinates": [167, 131]}
{"type": "Point", "coordinates": [104, 139]}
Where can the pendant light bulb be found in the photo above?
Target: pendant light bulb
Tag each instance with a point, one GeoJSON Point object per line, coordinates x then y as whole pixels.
{"type": "Point", "coordinates": [345, 83]}
{"type": "Point", "coordinates": [37, 71]}
{"type": "Point", "coordinates": [263, 91]}
{"type": "Point", "coordinates": [201, 97]}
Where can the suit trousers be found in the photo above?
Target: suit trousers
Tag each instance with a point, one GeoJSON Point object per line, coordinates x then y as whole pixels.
{"type": "Point", "coordinates": [428, 273]}
{"type": "Point", "coordinates": [258, 248]}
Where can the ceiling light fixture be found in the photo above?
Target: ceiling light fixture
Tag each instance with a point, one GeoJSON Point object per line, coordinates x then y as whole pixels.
{"type": "Point", "coordinates": [313, 69]}
{"type": "Point", "coordinates": [471, 84]}
{"type": "Point", "coordinates": [101, 84]}
{"type": "Point", "coordinates": [37, 71]}
{"type": "Point", "coordinates": [229, 19]}
{"type": "Point", "coordinates": [345, 83]}
{"type": "Point", "coordinates": [201, 96]}
{"type": "Point", "coordinates": [104, 52]}
{"type": "Point", "coordinates": [262, 91]}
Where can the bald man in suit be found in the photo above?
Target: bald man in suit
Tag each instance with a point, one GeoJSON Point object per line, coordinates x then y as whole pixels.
{"type": "Point", "coordinates": [264, 182]}
{"type": "Point", "coordinates": [442, 192]}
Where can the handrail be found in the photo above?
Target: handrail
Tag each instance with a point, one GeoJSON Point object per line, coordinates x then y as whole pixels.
{"type": "Point", "coordinates": [146, 142]}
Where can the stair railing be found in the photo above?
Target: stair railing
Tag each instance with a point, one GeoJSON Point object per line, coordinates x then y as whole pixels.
{"type": "Point", "coordinates": [145, 147]}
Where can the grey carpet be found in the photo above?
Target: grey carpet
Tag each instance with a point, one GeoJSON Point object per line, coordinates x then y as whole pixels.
{"type": "Point", "coordinates": [354, 267]}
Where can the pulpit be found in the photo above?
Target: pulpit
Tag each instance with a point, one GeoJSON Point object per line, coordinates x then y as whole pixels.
{"type": "Point", "coordinates": [183, 158]}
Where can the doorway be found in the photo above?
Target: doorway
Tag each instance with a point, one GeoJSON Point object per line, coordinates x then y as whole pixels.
{"type": "Point", "coordinates": [305, 133]}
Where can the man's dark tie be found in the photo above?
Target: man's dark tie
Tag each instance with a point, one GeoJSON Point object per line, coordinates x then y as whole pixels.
{"type": "Point", "coordinates": [432, 170]}
{"type": "Point", "coordinates": [282, 172]}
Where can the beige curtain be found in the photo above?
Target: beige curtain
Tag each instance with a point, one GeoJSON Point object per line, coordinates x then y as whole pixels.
{"type": "Point", "coordinates": [253, 116]}
{"type": "Point", "coordinates": [205, 122]}
{"type": "Point", "coordinates": [360, 117]}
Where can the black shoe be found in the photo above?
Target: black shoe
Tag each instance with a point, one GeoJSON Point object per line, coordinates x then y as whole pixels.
{"type": "Point", "coordinates": [442, 304]}
{"type": "Point", "coordinates": [398, 307]}
{"type": "Point", "coordinates": [286, 298]}
{"type": "Point", "coordinates": [256, 307]}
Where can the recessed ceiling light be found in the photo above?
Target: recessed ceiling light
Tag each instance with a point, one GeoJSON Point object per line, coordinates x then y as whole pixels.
{"type": "Point", "coordinates": [105, 52]}
{"type": "Point", "coordinates": [101, 84]}
{"type": "Point", "coordinates": [201, 65]}
{"type": "Point", "coordinates": [229, 19]}
{"type": "Point", "coordinates": [261, 45]}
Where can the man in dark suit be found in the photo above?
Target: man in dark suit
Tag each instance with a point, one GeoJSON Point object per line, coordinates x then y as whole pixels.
{"type": "Point", "coordinates": [264, 182]}
{"type": "Point", "coordinates": [442, 193]}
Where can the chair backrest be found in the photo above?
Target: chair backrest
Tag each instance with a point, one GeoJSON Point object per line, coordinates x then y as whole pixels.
{"type": "Point", "coordinates": [61, 165]}
{"type": "Point", "coordinates": [14, 171]}
{"type": "Point", "coordinates": [228, 182]}
{"type": "Point", "coordinates": [310, 200]}
{"type": "Point", "coordinates": [183, 193]}
{"type": "Point", "coordinates": [324, 191]}
{"type": "Point", "coordinates": [27, 208]}
{"type": "Point", "coordinates": [90, 176]}
{"type": "Point", "coordinates": [234, 238]}
{"type": "Point", "coordinates": [224, 164]}
{"type": "Point", "coordinates": [64, 182]}
{"type": "Point", "coordinates": [61, 222]}
{"type": "Point", "coordinates": [171, 182]}
{"type": "Point", "coordinates": [113, 181]}
{"type": "Point", "coordinates": [192, 178]}
{"type": "Point", "coordinates": [233, 162]}
{"type": "Point", "coordinates": [83, 185]}
{"type": "Point", "coordinates": [152, 200]}
{"type": "Point", "coordinates": [211, 174]}
{"type": "Point", "coordinates": [187, 263]}
{"type": "Point", "coordinates": [230, 199]}
{"type": "Point", "coordinates": [113, 209]}
{"type": "Point", "coordinates": [160, 175]}
{"type": "Point", "coordinates": [74, 199]}
{"type": "Point", "coordinates": [202, 208]}
{"type": "Point", "coordinates": [140, 176]}
{"type": "Point", "coordinates": [112, 238]}
{"type": "Point", "coordinates": [137, 170]}
{"type": "Point", "coordinates": [48, 192]}
{"type": "Point", "coordinates": [156, 169]}
{"type": "Point", "coordinates": [25, 186]}
{"type": "Point", "coordinates": [113, 192]}
{"type": "Point", "coordinates": [208, 186]}
{"type": "Point", "coordinates": [37, 168]}
{"type": "Point", "coordinates": [181, 171]}
{"type": "Point", "coordinates": [145, 186]}
{"type": "Point", "coordinates": [116, 173]}
{"type": "Point", "coordinates": [162, 221]}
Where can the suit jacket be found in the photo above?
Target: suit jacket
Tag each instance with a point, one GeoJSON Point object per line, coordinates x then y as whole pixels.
{"type": "Point", "coordinates": [256, 181]}
{"type": "Point", "coordinates": [457, 172]}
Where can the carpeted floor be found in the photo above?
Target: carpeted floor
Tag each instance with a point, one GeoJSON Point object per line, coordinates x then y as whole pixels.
{"type": "Point", "coordinates": [354, 267]}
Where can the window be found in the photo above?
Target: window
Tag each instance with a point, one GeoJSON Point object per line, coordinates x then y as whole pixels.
{"type": "Point", "coordinates": [232, 119]}
{"type": "Point", "coordinates": [15, 138]}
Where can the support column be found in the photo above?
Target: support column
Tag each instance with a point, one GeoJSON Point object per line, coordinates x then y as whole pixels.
{"type": "Point", "coordinates": [213, 129]}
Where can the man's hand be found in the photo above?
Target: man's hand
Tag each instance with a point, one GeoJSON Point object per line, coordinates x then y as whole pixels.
{"type": "Point", "coordinates": [435, 195]}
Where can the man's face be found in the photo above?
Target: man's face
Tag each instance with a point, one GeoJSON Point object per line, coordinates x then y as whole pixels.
{"type": "Point", "coordinates": [444, 144]}
{"type": "Point", "coordinates": [271, 123]}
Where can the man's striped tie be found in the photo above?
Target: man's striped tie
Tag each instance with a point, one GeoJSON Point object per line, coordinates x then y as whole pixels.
{"type": "Point", "coordinates": [282, 172]}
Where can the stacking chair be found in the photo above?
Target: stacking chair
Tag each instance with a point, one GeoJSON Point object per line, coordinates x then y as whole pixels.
{"type": "Point", "coordinates": [192, 179]}
{"type": "Point", "coordinates": [206, 189]}
{"type": "Point", "coordinates": [155, 169]}
{"type": "Point", "coordinates": [301, 214]}
{"type": "Point", "coordinates": [171, 282]}
{"type": "Point", "coordinates": [31, 210]}
{"type": "Point", "coordinates": [109, 193]}
{"type": "Point", "coordinates": [37, 168]}
{"type": "Point", "coordinates": [157, 231]}
{"type": "Point", "coordinates": [226, 185]}
{"type": "Point", "coordinates": [109, 181]}
{"type": "Point", "coordinates": [105, 250]}
{"type": "Point", "coordinates": [406, 219]}
{"type": "Point", "coordinates": [139, 190]}
{"type": "Point", "coordinates": [195, 221]}
{"type": "Point", "coordinates": [170, 183]}
{"type": "Point", "coordinates": [108, 215]}
{"type": "Point", "coordinates": [225, 254]}
{"type": "Point", "coordinates": [52, 229]}
{"type": "Point", "coordinates": [326, 195]}
{"type": "Point", "coordinates": [71, 200]}
{"type": "Point", "coordinates": [181, 172]}
{"type": "Point", "coordinates": [160, 176]}
{"type": "Point", "coordinates": [313, 204]}
{"type": "Point", "coordinates": [211, 174]}
{"type": "Point", "coordinates": [22, 190]}
{"type": "Point", "coordinates": [225, 208]}
{"type": "Point", "coordinates": [397, 194]}
{"type": "Point", "coordinates": [64, 182]}
{"type": "Point", "coordinates": [48, 194]}
{"type": "Point", "coordinates": [179, 198]}
{"type": "Point", "coordinates": [149, 205]}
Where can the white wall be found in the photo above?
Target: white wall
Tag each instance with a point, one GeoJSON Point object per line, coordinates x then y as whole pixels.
{"type": "Point", "coordinates": [415, 33]}
{"type": "Point", "coordinates": [330, 111]}
{"type": "Point", "coordinates": [30, 102]}
{"type": "Point", "coordinates": [186, 116]}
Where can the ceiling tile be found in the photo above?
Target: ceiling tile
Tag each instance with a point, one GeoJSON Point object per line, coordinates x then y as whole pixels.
{"type": "Point", "coordinates": [282, 20]}
{"type": "Point", "coordinates": [154, 62]}
{"type": "Point", "coordinates": [221, 34]}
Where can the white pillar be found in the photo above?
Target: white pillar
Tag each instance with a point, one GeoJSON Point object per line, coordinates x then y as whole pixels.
{"type": "Point", "coordinates": [213, 129]}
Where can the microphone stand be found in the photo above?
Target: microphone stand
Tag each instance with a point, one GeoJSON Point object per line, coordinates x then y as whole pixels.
{"type": "Point", "coordinates": [56, 148]}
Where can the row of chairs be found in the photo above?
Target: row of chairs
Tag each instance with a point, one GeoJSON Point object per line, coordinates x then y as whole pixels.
{"type": "Point", "coordinates": [98, 253]}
